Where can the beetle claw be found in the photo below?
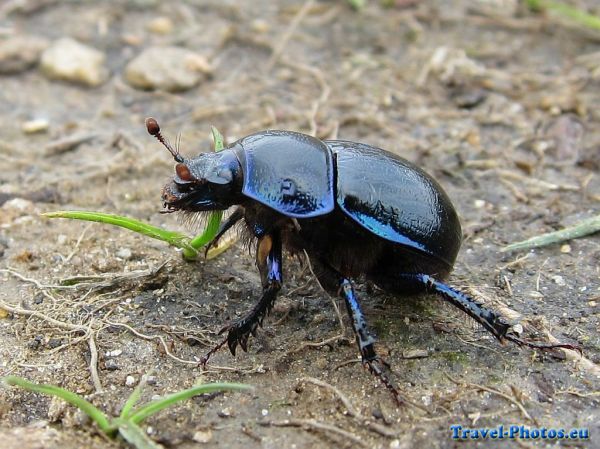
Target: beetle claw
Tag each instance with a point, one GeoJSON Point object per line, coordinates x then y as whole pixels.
{"type": "Point", "coordinates": [232, 345]}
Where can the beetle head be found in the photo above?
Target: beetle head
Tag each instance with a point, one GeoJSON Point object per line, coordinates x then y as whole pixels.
{"type": "Point", "coordinates": [210, 181]}
{"type": "Point", "coordinates": [206, 182]}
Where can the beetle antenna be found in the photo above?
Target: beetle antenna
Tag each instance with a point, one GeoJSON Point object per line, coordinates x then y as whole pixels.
{"type": "Point", "coordinates": [178, 142]}
{"type": "Point", "coordinates": [154, 130]}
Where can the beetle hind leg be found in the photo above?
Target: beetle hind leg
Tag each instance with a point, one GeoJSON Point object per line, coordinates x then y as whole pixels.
{"type": "Point", "coordinates": [490, 320]}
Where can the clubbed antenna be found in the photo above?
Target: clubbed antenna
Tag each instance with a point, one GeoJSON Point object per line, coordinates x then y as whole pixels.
{"type": "Point", "coordinates": [154, 130]}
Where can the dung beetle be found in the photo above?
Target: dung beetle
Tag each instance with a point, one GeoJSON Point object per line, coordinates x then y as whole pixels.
{"type": "Point", "coordinates": [353, 209]}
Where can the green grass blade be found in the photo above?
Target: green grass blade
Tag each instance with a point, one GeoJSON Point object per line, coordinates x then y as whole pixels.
{"type": "Point", "coordinates": [214, 221]}
{"type": "Point", "coordinates": [581, 229]}
{"type": "Point", "coordinates": [133, 398]}
{"type": "Point", "coordinates": [94, 413]}
{"type": "Point", "coordinates": [577, 15]}
{"type": "Point", "coordinates": [218, 140]}
{"type": "Point", "coordinates": [209, 233]}
{"type": "Point", "coordinates": [156, 406]}
{"type": "Point", "coordinates": [135, 436]}
{"type": "Point", "coordinates": [357, 4]}
{"type": "Point", "coordinates": [173, 238]}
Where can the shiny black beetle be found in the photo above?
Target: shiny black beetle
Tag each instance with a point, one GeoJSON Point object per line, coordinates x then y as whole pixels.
{"type": "Point", "coordinates": [356, 210]}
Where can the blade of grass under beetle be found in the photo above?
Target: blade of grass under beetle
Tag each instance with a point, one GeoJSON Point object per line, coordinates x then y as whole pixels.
{"type": "Point", "coordinates": [153, 407]}
{"type": "Point", "coordinates": [174, 238]}
{"type": "Point", "coordinates": [94, 413]}
{"type": "Point", "coordinates": [215, 218]}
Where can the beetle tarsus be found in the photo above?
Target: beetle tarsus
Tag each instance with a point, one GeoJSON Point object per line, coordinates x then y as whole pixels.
{"type": "Point", "coordinates": [205, 358]}
{"type": "Point", "coordinates": [543, 346]}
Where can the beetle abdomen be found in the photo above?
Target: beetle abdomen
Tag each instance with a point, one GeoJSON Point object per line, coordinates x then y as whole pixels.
{"type": "Point", "coordinates": [396, 200]}
{"type": "Point", "coordinates": [287, 171]}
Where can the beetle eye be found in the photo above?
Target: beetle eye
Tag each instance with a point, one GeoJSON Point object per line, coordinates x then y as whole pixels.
{"type": "Point", "coordinates": [183, 173]}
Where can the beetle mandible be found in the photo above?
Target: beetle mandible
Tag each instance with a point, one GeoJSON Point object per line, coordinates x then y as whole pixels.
{"type": "Point", "coordinates": [356, 210]}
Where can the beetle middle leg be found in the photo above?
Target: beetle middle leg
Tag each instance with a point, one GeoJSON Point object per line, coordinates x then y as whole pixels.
{"type": "Point", "coordinates": [268, 260]}
{"type": "Point", "coordinates": [337, 284]}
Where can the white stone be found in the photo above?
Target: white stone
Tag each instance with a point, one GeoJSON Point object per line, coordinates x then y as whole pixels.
{"type": "Point", "coordinates": [68, 60]}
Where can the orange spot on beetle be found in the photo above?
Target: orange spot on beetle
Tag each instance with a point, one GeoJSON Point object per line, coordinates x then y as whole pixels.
{"type": "Point", "coordinates": [184, 173]}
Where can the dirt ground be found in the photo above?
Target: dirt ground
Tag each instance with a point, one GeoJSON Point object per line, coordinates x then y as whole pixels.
{"type": "Point", "coordinates": [498, 103]}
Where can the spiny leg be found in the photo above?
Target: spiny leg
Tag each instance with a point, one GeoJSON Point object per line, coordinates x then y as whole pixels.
{"type": "Point", "coordinates": [490, 320]}
{"type": "Point", "coordinates": [336, 284]}
{"type": "Point", "coordinates": [269, 262]}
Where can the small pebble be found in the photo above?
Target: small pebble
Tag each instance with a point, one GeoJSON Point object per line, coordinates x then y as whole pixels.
{"type": "Point", "coordinates": [61, 239]}
{"type": "Point", "coordinates": [111, 365]}
{"type": "Point", "coordinates": [559, 280]}
{"type": "Point", "coordinates": [264, 412]}
{"type": "Point", "coordinates": [225, 413]}
{"type": "Point", "coordinates": [124, 253]}
{"type": "Point", "coordinates": [203, 436]}
{"type": "Point", "coordinates": [115, 353]}
{"type": "Point", "coordinates": [160, 25]}
{"type": "Point", "coordinates": [68, 60]}
{"type": "Point", "coordinates": [415, 354]}
{"type": "Point", "coordinates": [130, 381]}
{"type": "Point", "coordinates": [260, 26]}
{"type": "Point", "coordinates": [517, 329]}
{"type": "Point", "coordinates": [566, 248]}
{"type": "Point", "coordinates": [535, 294]}
{"type": "Point", "coordinates": [39, 125]}
{"type": "Point", "coordinates": [171, 69]}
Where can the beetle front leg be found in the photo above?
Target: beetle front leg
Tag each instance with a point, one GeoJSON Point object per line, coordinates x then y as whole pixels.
{"type": "Point", "coordinates": [268, 260]}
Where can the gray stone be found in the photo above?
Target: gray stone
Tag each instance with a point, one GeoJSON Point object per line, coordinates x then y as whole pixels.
{"type": "Point", "coordinates": [170, 69]}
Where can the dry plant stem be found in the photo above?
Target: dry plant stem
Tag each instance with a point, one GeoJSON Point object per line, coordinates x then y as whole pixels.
{"type": "Point", "coordinates": [88, 333]}
{"type": "Point", "coordinates": [163, 343]}
{"type": "Point", "coordinates": [79, 240]}
{"type": "Point", "coordinates": [352, 412]}
{"type": "Point", "coordinates": [94, 363]}
{"type": "Point", "coordinates": [33, 313]}
{"type": "Point", "coordinates": [325, 92]}
{"type": "Point", "coordinates": [278, 50]}
{"type": "Point", "coordinates": [311, 424]}
{"type": "Point", "coordinates": [582, 362]}
{"type": "Point", "coordinates": [335, 306]}
{"type": "Point", "coordinates": [494, 391]}
{"type": "Point", "coordinates": [579, 394]}
{"type": "Point", "coordinates": [153, 337]}
{"type": "Point", "coordinates": [319, 344]}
